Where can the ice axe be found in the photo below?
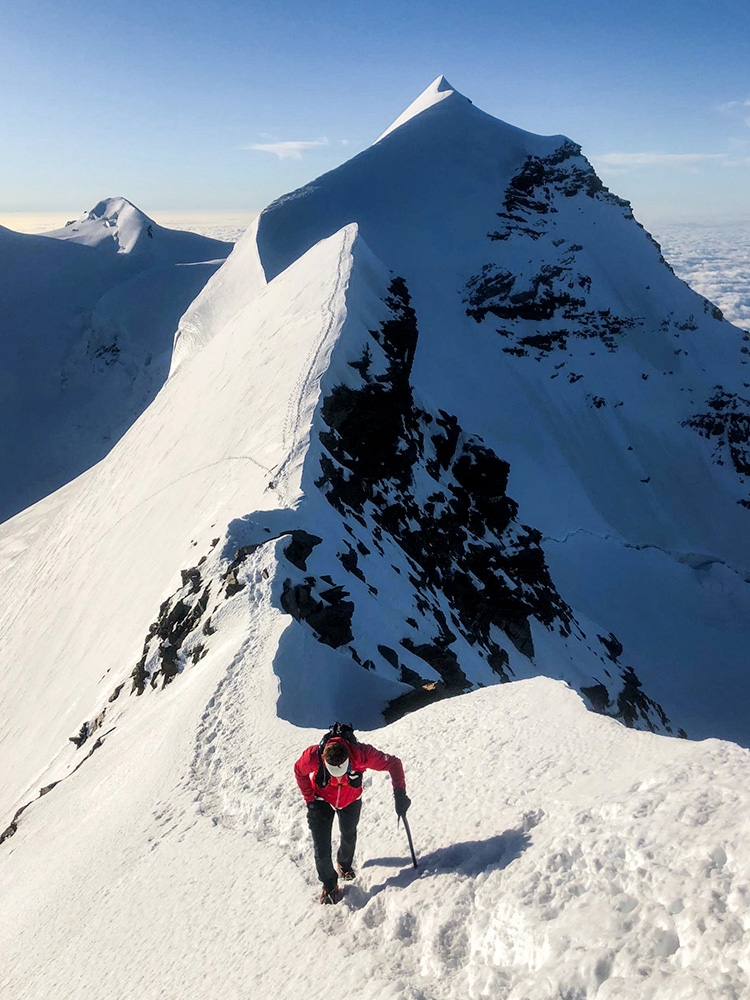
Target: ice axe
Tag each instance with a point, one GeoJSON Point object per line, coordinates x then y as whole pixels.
{"type": "Point", "coordinates": [408, 836]}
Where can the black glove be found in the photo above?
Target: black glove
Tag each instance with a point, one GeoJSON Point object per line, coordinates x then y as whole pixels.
{"type": "Point", "coordinates": [402, 801]}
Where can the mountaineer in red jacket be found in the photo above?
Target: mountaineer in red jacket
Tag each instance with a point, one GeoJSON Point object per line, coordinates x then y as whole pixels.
{"type": "Point", "coordinates": [330, 778]}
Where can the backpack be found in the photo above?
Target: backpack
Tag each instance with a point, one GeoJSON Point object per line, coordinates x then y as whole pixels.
{"type": "Point", "coordinates": [343, 731]}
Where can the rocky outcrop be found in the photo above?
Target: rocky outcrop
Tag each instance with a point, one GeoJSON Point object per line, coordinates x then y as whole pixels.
{"type": "Point", "coordinates": [543, 310]}
{"type": "Point", "coordinates": [726, 423]}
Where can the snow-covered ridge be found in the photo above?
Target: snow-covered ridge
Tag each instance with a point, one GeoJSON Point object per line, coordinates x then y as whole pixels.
{"type": "Point", "coordinates": [551, 326]}
{"type": "Point", "coordinates": [182, 473]}
{"type": "Point", "coordinates": [238, 281]}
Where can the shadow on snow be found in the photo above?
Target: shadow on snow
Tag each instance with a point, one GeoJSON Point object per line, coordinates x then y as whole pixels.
{"type": "Point", "coordinates": [469, 858]}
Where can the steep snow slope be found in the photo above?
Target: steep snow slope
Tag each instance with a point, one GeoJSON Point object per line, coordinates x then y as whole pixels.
{"type": "Point", "coordinates": [550, 326]}
{"type": "Point", "coordinates": [235, 284]}
{"type": "Point", "coordinates": [85, 341]}
{"type": "Point", "coordinates": [484, 222]}
{"type": "Point", "coordinates": [388, 603]}
{"type": "Point", "coordinates": [115, 225]}
{"type": "Point", "coordinates": [438, 90]}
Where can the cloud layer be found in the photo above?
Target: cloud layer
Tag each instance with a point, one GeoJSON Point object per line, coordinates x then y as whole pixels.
{"type": "Point", "coordinates": [715, 261]}
{"type": "Point", "coordinates": [291, 150]}
{"type": "Point", "coordinates": [662, 159]}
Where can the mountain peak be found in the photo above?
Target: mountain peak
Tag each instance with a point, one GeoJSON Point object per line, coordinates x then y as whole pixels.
{"type": "Point", "coordinates": [439, 84]}
{"type": "Point", "coordinates": [437, 91]}
{"type": "Point", "coordinates": [116, 225]}
{"type": "Point", "coordinates": [112, 208]}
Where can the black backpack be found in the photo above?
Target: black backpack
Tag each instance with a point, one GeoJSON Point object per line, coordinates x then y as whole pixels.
{"type": "Point", "coordinates": [346, 732]}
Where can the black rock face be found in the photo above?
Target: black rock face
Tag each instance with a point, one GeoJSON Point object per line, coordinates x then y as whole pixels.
{"type": "Point", "coordinates": [329, 614]}
{"type": "Point", "coordinates": [726, 423]}
{"type": "Point", "coordinates": [461, 541]}
{"type": "Point", "coordinates": [544, 312]}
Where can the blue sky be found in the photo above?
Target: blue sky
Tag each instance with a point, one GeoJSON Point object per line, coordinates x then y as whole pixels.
{"type": "Point", "coordinates": [162, 102]}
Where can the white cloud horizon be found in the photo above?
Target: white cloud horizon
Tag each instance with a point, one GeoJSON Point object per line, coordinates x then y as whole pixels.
{"type": "Point", "coordinates": [290, 150]}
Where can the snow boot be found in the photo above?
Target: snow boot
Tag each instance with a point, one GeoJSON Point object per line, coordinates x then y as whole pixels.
{"type": "Point", "coordinates": [329, 896]}
{"type": "Point", "coordinates": [347, 874]}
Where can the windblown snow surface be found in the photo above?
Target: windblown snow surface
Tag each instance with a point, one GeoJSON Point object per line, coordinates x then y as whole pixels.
{"type": "Point", "coordinates": [87, 322]}
{"type": "Point", "coordinates": [350, 500]}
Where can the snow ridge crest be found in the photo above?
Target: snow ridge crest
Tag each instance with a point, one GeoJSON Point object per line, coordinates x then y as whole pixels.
{"type": "Point", "coordinates": [437, 91]}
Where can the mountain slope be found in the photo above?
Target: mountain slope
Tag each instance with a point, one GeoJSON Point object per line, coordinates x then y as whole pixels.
{"type": "Point", "coordinates": [550, 326]}
{"type": "Point", "coordinates": [86, 341]}
{"type": "Point", "coordinates": [112, 543]}
{"type": "Point", "coordinates": [342, 502]}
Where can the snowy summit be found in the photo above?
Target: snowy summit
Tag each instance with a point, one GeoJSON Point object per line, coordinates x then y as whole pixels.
{"type": "Point", "coordinates": [446, 451]}
{"type": "Point", "coordinates": [115, 224]}
{"type": "Point", "coordinates": [438, 90]}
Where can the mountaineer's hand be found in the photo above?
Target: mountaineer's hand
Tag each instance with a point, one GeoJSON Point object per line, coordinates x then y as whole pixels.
{"type": "Point", "coordinates": [402, 801]}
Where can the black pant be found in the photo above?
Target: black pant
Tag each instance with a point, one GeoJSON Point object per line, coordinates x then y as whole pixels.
{"type": "Point", "coordinates": [320, 821]}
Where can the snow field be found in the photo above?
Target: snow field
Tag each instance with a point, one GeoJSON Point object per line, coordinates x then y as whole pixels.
{"type": "Point", "coordinates": [560, 854]}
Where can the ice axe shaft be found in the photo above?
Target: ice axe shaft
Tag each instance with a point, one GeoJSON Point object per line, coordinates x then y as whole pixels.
{"type": "Point", "coordinates": [411, 842]}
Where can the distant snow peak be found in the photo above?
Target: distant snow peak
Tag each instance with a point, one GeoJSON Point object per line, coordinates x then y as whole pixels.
{"type": "Point", "coordinates": [116, 225]}
{"type": "Point", "coordinates": [437, 91]}
{"type": "Point", "coordinates": [110, 208]}
{"type": "Point", "coordinates": [89, 314]}
{"type": "Point", "coordinates": [112, 224]}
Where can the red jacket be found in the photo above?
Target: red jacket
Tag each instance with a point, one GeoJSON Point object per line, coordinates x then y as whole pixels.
{"type": "Point", "coordinates": [341, 792]}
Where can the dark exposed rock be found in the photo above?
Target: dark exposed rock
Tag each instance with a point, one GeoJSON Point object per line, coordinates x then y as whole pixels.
{"type": "Point", "coordinates": [390, 655]}
{"type": "Point", "coordinates": [233, 585]}
{"type": "Point", "coordinates": [175, 623]}
{"type": "Point", "coordinates": [612, 645]}
{"type": "Point", "coordinates": [442, 660]}
{"type": "Point", "coordinates": [408, 676]}
{"type": "Point", "coordinates": [116, 693]}
{"type": "Point", "coordinates": [598, 697]}
{"type": "Point", "coordinates": [191, 577]}
{"type": "Point", "coordinates": [349, 561]}
{"type": "Point", "coordinates": [329, 617]}
{"type": "Point", "coordinates": [463, 543]}
{"type": "Point", "coordinates": [300, 548]}
{"type": "Point", "coordinates": [83, 735]}
{"type": "Point", "coordinates": [633, 705]}
{"type": "Point", "coordinates": [558, 293]}
{"type": "Point", "coordinates": [421, 696]}
{"type": "Point", "coordinates": [727, 424]}
{"type": "Point", "coordinates": [89, 727]}
{"type": "Point", "coordinates": [474, 570]}
{"type": "Point", "coordinates": [499, 663]}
